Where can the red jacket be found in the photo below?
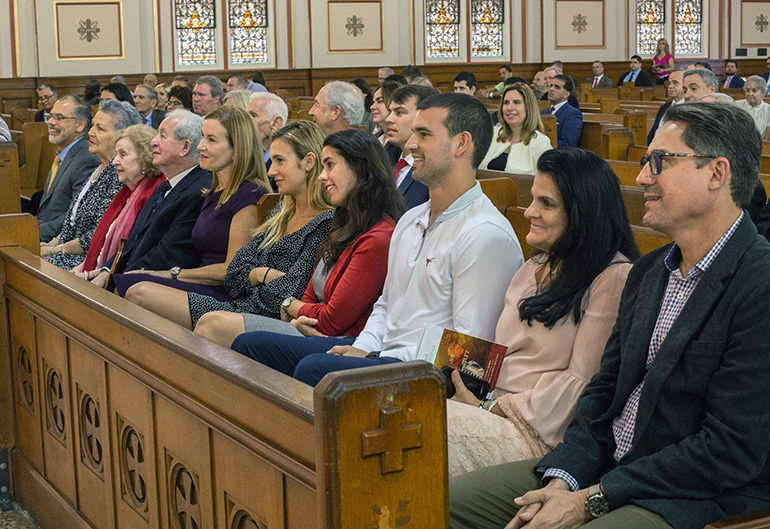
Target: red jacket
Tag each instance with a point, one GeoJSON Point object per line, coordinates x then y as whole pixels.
{"type": "Point", "coordinates": [354, 284]}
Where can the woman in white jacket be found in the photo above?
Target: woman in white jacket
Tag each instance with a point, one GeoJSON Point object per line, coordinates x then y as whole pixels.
{"type": "Point", "coordinates": [519, 139]}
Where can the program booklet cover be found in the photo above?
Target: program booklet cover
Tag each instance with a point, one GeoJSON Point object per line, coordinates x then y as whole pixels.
{"type": "Point", "coordinates": [471, 355]}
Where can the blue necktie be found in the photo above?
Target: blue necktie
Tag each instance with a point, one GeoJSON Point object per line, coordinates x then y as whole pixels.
{"type": "Point", "coordinates": [161, 190]}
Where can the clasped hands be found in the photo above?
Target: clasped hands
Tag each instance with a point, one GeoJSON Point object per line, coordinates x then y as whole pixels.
{"type": "Point", "coordinates": [551, 507]}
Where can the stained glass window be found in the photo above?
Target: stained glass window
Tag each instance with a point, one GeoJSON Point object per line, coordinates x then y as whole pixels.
{"type": "Point", "coordinates": [687, 32]}
{"type": "Point", "coordinates": [650, 25]}
{"type": "Point", "coordinates": [248, 31]}
{"type": "Point", "coordinates": [443, 28]}
{"type": "Point", "coordinates": [487, 28]}
{"type": "Point", "coordinates": [195, 24]}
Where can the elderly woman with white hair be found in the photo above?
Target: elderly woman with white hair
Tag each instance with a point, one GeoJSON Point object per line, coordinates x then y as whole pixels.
{"type": "Point", "coordinates": [69, 248]}
{"type": "Point", "coordinates": [756, 88]}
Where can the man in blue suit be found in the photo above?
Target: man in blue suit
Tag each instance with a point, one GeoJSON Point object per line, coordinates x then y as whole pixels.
{"type": "Point", "coordinates": [161, 238]}
{"type": "Point", "coordinates": [569, 120]}
{"type": "Point", "coordinates": [674, 429]}
{"type": "Point", "coordinates": [403, 109]}
{"type": "Point", "coordinates": [732, 79]}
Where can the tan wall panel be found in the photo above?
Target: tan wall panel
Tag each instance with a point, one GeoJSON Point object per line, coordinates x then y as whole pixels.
{"type": "Point", "coordinates": [58, 445]}
{"type": "Point", "coordinates": [133, 464]}
{"type": "Point", "coordinates": [247, 488]}
{"type": "Point", "coordinates": [93, 461]}
{"type": "Point", "coordinates": [301, 505]}
{"type": "Point", "coordinates": [184, 464]}
{"type": "Point", "coordinates": [26, 387]}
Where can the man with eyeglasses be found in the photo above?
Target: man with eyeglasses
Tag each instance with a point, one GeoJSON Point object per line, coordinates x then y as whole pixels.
{"type": "Point", "coordinates": [674, 430]}
{"type": "Point", "coordinates": [47, 96]}
{"type": "Point", "coordinates": [68, 123]}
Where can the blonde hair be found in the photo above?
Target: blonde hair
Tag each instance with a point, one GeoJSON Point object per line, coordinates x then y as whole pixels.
{"type": "Point", "coordinates": [303, 137]}
{"type": "Point", "coordinates": [532, 123]}
{"type": "Point", "coordinates": [666, 50]}
{"type": "Point", "coordinates": [242, 136]}
{"type": "Point", "coordinates": [140, 137]}
{"type": "Point", "coordinates": [239, 98]}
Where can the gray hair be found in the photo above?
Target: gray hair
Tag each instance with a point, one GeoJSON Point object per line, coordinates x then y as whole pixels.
{"type": "Point", "coordinates": [214, 84]}
{"type": "Point", "coordinates": [758, 82]}
{"type": "Point", "coordinates": [348, 98]}
{"type": "Point", "coordinates": [240, 98]}
{"type": "Point", "coordinates": [123, 113]}
{"type": "Point", "coordinates": [44, 86]}
{"type": "Point", "coordinates": [81, 111]}
{"type": "Point", "coordinates": [386, 69]}
{"type": "Point", "coordinates": [555, 69]}
{"type": "Point", "coordinates": [708, 76]}
{"type": "Point", "coordinates": [718, 98]}
{"type": "Point", "coordinates": [190, 128]}
{"type": "Point", "coordinates": [118, 79]}
{"type": "Point", "coordinates": [717, 129]}
{"type": "Point", "coordinates": [275, 106]}
{"type": "Point", "coordinates": [151, 92]}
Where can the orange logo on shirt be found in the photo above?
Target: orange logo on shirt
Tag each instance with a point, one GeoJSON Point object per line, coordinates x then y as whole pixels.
{"type": "Point", "coordinates": [428, 260]}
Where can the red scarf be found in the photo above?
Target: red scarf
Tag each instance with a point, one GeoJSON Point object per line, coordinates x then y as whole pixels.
{"type": "Point", "coordinates": [143, 190]}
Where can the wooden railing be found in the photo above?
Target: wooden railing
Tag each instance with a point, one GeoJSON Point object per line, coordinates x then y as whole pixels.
{"type": "Point", "coordinates": [122, 419]}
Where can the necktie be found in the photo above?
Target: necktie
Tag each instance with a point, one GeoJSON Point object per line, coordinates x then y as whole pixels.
{"type": "Point", "coordinates": [550, 110]}
{"type": "Point", "coordinates": [397, 170]}
{"type": "Point", "coordinates": [727, 82]}
{"type": "Point", "coordinates": [54, 168]}
{"type": "Point", "coordinates": [596, 82]}
{"type": "Point", "coordinates": [161, 190]}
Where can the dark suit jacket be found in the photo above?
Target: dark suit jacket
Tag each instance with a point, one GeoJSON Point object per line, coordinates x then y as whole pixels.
{"type": "Point", "coordinates": [569, 125]}
{"type": "Point", "coordinates": [702, 435]}
{"type": "Point", "coordinates": [643, 79]}
{"type": "Point", "coordinates": [572, 100]}
{"type": "Point", "coordinates": [40, 115]}
{"type": "Point", "coordinates": [73, 171]}
{"type": "Point", "coordinates": [156, 117]}
{"type": "Point", "coordinates": [661, 111]}
{"type": "Point", "coordinates": [604, 82]}
{"type": "Point", "coordinates": [765, 75]}
{"type": "Point", "coordinates": [735, 82]}
{"type": "Point", "coordinates": [414, 192]}
{"type": "Point", "coordinates": [164, 240]}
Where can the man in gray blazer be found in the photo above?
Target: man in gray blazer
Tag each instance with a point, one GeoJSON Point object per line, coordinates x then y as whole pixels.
{"type": "Point", "coordinates": [68, 124]}
{"type": "Point", "coordinates": [674, 430]}
{"type": "Point", "coordinates": [599, 80]}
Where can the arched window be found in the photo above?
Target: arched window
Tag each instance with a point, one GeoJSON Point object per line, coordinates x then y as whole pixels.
{"type": "Point", "coordinates": [442, 35]}
{"type": "Point", "coordinates": [487, 28]}
{"type": "Point", "coordinates": [685, 33]}
{"type": "Point", "coordinates": [196, 32]}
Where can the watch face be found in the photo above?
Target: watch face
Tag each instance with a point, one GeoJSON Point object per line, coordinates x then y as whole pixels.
{"type": "Point", "coordinates": [597, 506]}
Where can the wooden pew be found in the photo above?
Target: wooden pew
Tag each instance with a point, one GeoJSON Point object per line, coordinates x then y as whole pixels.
{"type": "Point", "coordinates": [122, 419]}
{"type": "Point", "coordinates": [501, 191]}
{"type": "Point", "coordinates": [265, 205]}
{"type": "Point", "coordinates": [549, 123]}
{"type": "Point", "coordinates": [523, 184]}
{"type": "Point", "coordinates": [637, 121]}
{"type": "Point", "coordinates": [20, 116]}
{"type": "Point", "coordinates": [648, 239]}
{"type": "Point", "coordinates": [520, 224]}
{"type": "Point", "coordinates": [38, 157]}
{"type": "Point", "coordinates": [9, 179]}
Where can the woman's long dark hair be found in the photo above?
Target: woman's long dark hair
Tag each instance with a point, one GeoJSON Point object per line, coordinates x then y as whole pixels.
{"type": "Point", "coordinates": [120, 91]}
{"type": "Point", "coordinates": [597, 229]}
{"type": "Point", "coordinates": [373, 196]}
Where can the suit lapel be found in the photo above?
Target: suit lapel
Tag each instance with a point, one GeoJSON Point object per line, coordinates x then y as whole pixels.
{"type": "Point", "coordinates": [63, 166]}
{"type": "Point", "coordinates": [407, 183]}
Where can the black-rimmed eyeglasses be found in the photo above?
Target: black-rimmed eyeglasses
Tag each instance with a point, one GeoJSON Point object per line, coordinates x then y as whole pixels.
{"type": "Point", "coordinates": [655, 159]}
{"type": "Point", "coordinates": [57, 117]}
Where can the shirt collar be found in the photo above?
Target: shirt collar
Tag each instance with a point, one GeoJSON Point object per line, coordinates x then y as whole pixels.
{"type": "Point", "coordinates": [62, 154]}
{"type": "Point", "coordinates": [454, 209]}
{"type": "Point", "coordinates": [558, 106]}
{"type": "Point", "coordinates": [674, 256]}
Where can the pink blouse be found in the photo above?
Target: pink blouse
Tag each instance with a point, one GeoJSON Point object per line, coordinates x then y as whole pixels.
{"type": "Point", "coordinates": [545, 370]}
{"type": "Point", "coordinates": [662, 62]}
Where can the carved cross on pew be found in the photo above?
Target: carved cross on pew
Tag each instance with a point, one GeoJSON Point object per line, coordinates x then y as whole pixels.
{"type": "Point", "coordinates": [391, 439]}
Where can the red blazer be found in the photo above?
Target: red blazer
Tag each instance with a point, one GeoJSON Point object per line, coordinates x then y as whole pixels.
{"type": "Point", "coordinates": [354, 284]}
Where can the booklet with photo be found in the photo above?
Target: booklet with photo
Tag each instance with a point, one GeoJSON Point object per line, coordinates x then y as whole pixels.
{"type": "Point", "coordinates": [472, 356]}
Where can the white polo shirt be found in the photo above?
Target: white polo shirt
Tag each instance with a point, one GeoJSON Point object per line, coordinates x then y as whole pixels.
{"type": "Point", "coordinates": [453, 273]}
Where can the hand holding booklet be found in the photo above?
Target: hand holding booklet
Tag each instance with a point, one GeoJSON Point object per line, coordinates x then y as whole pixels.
{"type": "Point", "coordinates": [476, 359]}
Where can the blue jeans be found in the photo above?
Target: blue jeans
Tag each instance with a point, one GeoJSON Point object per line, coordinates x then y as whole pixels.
{"type": "Point", "coordinates": [312, 369]}
{"type": "Point", "coordinates": [283, 352]}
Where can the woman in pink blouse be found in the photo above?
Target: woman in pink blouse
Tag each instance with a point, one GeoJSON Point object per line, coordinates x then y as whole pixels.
{"type": "Point", "coordinates": [662, 62]}
{"type": "Point", "coordinates": [559, 311]}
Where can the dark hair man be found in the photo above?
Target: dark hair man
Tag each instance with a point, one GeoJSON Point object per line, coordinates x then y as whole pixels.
{"type": "Point", "coordinates": [47, 96]}
{"type": "Point", "coordinates": [465, 83]}
{"type": "Point", "coordinates": [569, 120]}
{"type": "Point", "coordinates": [636, 75]}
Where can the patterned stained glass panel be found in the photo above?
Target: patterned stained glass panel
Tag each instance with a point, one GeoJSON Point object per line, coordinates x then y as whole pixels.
{"type": "Point", "coordinates": [650, 22]}
{"type": "Point", "coordinates": [248, 31]}
{"type": "Point", "coordinates": [687, 32]}
{"type": "Point", "coordinates": [195, 25]}
{"type": "Point", "coordinates": [443, 28]}
{"type": "Point", "coordinates": [487, 28]}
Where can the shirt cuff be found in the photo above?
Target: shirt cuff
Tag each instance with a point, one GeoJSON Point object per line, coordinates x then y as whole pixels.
{"type": "Point", "coordinates": [558, 473]}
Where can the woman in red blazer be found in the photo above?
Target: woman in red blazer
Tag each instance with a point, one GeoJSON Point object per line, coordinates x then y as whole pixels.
{"type": "Point", "coordinates": [348, 279]}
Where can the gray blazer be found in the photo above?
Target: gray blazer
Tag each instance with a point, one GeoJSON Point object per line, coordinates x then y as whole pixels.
{"type": "Point", "coordinates": [73, 171]}
{"type": "Point", "coordinates": [604, 82]}
{"type": "Point", "coordinates": [702, 435]}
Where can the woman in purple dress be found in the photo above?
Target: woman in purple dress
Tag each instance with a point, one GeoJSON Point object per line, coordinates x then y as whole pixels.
{"type": "Point", "coordinates": [228, 216]}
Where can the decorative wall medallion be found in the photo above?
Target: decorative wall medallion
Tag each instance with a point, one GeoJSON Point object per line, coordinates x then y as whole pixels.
{"type": "Point", "coordinates": [579, 23]}
{"type": "Point", "coordinates": [133, 468]}
{"type": "Point", "coordinates": [761, 23]}
{"type": "Point", "coordinates": [89, 30]}
{"type": "Point", "coordinates": [91, 453]}
{"type": "Point", "coordinates": [25, 378]}
{"type": "Point", "coordinates": [184, 495]}
{"type": "Point", "coordinates": [391, 438]}
{"type": "Point", "coordinates": [355, 26]}
{"type": "Point", "coordinates": [239, 517]}
{"type": "Point", "coordinates": [243, 520]}
{"type": "Point", "coordinates": [56, 405]}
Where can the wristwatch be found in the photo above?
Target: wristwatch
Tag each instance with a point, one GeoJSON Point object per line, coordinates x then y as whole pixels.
{"type": "Point", "coordinates": [286, 302]}
{"type": "Point", "coordinates": [596, 503]}
{"type": "Point", "coordinates": [175, 272]}
{"type": "Point", "coordinates": [487, 404]}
